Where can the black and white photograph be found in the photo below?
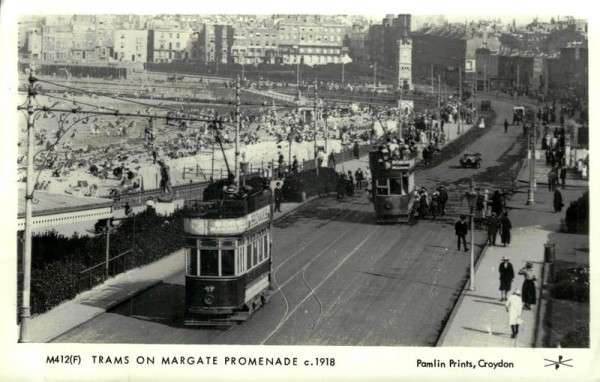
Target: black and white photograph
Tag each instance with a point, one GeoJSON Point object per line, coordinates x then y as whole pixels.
{"type": "Point", "coordinates": [311, 192]}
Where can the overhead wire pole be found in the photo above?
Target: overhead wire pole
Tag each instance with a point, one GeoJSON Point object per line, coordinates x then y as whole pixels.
{"type": "Point", "coordinates": [438, 106]}
{"type": "Point", "coordinates": [26, 307]}
{"type": "Point", "coordinates": [375, 75]}
{"type": "Point", "coordinates": [532, 185]}
{"type": "Point", "coordinates": [315, 128]}
{"type": "Point", "coordinates": [459, 98]}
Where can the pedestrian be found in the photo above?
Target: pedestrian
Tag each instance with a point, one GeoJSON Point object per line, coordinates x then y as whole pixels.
{"type": "Point", "coordinates": [492, 230]}
{"type": "Point", "coordinates": [368, 180]}
{"type": "Point", "coordinates": [331, 160]}
{"type": "Point", "coordinates": [359, 176]}
{"type": "Point", "coordinates": [127, 208]}
{"type": "Point", "coordinates": [443, 199]}
{"type": "Point", "coordinates": [295, 169]}
{"type": "Point", "coordinates": [507, 275]}
{"type": "Point", "coordinates": [506, 125]}
{"type": "Point", "coordinates": [461, 228]}
{"type": "Point", "coordinates": [497, 203]}
{"type": "Point", "coordinates": [356, 150]}
{"type": "Point", "coordinates": [350, 184]}
{"type": "Point", "coordinates": [278, 196]}
{"type": "Point", "coordinates": [528, 287]}
{"type": "Point", "coordinates": [341, 186]}
{"type": "Point", "coordinates": [435, 203]}
{"type": "Point", "coordinates": [557, 201]}
{"type": "Point", "coordinates": [563, 177]}
{"type": "Point", "coordinates": [505, 227]}
{"type": "Point", "coordinates": [320, 158]}
{"type": "Point", "coordinates": [423, 203]}
{"type": "Point", "coordinates": [514, 307]}
{"type": "Point", "coordinates": [150, 206]}
{"type": "Point", "coordinates": [551, 180]}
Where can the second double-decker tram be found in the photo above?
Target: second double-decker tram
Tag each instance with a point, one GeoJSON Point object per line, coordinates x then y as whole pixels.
{"type": "Point", "coordinates": [393, 185]}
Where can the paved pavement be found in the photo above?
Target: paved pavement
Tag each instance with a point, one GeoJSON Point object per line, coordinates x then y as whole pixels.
{"type": "Point", "coordinates": [479, 318]}
{"type": "Point", "coordinates": [89, 304]}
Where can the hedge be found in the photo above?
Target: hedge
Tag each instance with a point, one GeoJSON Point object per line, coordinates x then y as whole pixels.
{"type": "Point", "coordinates": [58, 260]}
{"type": "Point", "coordinates": [577, 218]}
{"type": "Point", "coordinates": [572, 284]}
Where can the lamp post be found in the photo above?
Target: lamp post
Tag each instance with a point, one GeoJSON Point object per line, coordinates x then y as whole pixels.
{"type": "Point", "coordinates": [325, 117]}
{"type": "Point", "coordinates": [472, 199]}
{"type": "Point", "coordinates": [315, 129]}
{"type": "Point", "coordinates": [375, 75]}
{"type": "Point", "coordinates": [532, 185]}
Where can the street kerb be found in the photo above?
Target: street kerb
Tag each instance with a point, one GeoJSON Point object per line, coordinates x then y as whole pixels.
{"type": "Point", "coordinates": [460, 299]}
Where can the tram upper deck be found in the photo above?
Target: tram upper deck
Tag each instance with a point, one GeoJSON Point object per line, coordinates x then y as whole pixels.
{"type": "Point", "coordinates": [232, 215]}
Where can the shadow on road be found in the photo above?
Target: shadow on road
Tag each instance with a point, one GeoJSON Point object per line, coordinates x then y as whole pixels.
{"type": "Point", "coordinates": [164, 304]}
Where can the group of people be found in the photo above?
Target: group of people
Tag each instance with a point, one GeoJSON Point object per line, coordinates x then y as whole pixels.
{"type": "Point", "coordinates": [521, 298]}
{"type": "Point", "coordinates": [348, 182]}
{"type": "Point", "coordinates": [434, 205]}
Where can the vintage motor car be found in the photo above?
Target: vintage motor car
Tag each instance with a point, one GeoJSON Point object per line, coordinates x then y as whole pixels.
{"type": "Point", "coordinates": [470, 159]}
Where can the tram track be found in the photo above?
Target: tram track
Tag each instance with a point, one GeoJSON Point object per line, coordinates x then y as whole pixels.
{"type": "Point", "coordinates": [287, 314]}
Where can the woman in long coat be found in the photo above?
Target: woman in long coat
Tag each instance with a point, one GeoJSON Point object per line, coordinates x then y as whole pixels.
{"type": "Point", "coordinates": [558, 201]}
{"type": "Point", "coordinates": [507, 274]}
{"type": "Point", "coordinates": [505, 227]}
{"type": "Point", "coordinates": [528, 287]}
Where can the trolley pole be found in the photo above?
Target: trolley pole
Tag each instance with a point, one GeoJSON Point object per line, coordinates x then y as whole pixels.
{"type": "Point", "coordinates": [315, 128]}
{"type": "Point", "coordinates": [26, 307]}
{"type": "Point", "coordinates": [237, 132]}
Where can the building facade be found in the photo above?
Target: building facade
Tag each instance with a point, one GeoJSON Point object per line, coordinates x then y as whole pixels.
{"type": "Point", "coordinates": [168, 44]}
{"type": "Point", "coordinates": [130, 45]}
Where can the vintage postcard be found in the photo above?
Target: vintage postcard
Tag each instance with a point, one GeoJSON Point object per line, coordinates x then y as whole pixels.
{"type": "Point", "coordinates": [304, 191]}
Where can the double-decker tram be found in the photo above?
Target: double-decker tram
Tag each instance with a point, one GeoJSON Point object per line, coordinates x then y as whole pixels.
{"type": "Point", "coordinates": [228, 256]}
{"type": "Point", "coordinates": [393, 182]}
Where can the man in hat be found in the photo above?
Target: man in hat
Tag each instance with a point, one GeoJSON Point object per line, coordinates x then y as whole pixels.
{"type": "Point", "coordinates": [492, 229]}
{"type": "Point", "coordinates": [514, 307]}
{"type": "Point", "coordinates": [507, 274]}
{"type": "Point", "coordinates": [461, 228]}
{"type": "Point", "coordinates": [278, 196]}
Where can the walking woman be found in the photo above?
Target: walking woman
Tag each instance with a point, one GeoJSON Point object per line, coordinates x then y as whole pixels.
{"type": "Point", "coordinates": [505, 227]}
{"type": "Point", "coordinates": [514, 307]}
{"type": "Point", "coordinates": [528, 288]}
{"type": "Point", "coordinates": [557, 201]}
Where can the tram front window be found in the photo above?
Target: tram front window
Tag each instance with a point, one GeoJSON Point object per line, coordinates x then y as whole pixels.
{"type": "Point", "coordinates": [227, 262]}
{"type": "Point", "coordinates": [399, 186]}
{"type": "Point", "coordinates": [209, 262]}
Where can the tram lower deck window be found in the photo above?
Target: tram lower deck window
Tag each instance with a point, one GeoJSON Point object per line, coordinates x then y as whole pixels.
{"type": "Point", "coordinates": [209, 262]}
{"type": "Point", "coordinates": [192, 269]}
{"type": "Point", "coordinates": [227, 262]}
